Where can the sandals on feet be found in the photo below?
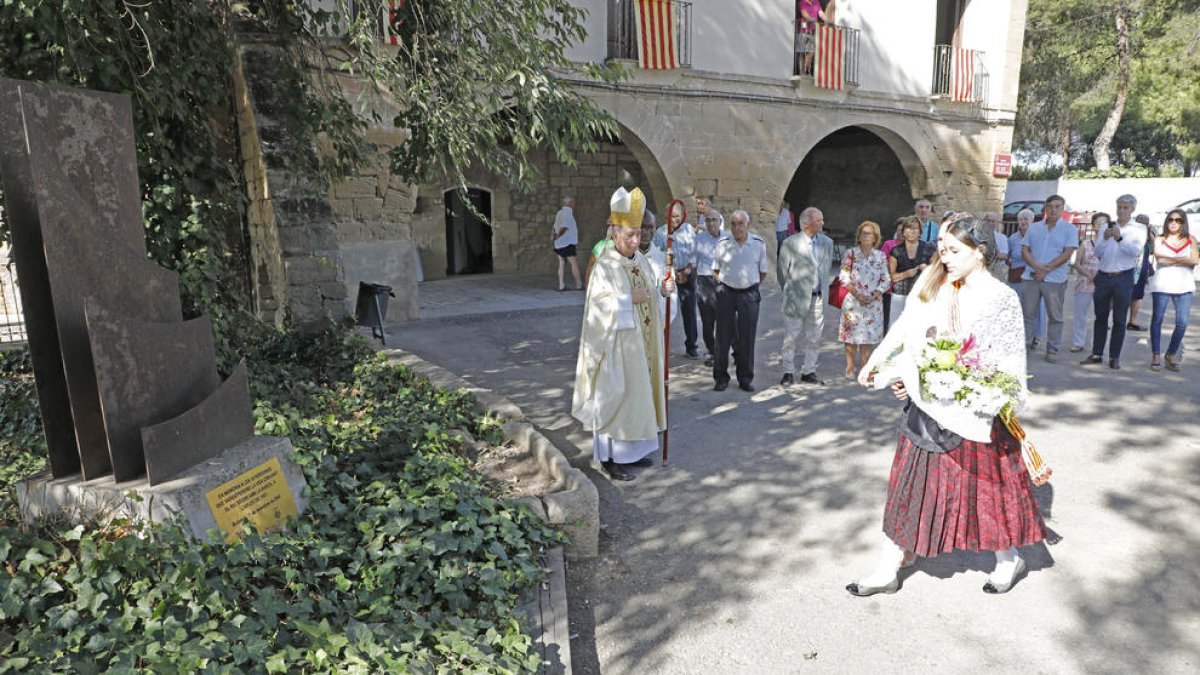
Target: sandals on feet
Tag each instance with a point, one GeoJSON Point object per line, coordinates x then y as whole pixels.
{"type": "Point", "coordinates": [1155, 364]}
{"type": "Point", "coordinates": [1172, 364]}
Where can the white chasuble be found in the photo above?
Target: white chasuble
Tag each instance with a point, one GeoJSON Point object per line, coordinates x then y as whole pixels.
{"type": "Point", "coordinates": [619, 391]}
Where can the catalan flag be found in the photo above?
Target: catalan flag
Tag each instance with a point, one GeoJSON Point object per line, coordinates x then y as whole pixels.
{"type": "Point", "coordinates": [963, 84]}
{"type": "Point", "coordinates": [657, 48]}
{"type": "Point", "coordinates": [829, 63]}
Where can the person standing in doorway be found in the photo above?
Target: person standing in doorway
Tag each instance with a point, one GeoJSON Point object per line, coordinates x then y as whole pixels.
{"type": "Point", "coordinates": [565, 239]}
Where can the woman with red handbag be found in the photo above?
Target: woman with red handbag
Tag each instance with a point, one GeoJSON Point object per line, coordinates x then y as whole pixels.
{"type": "Point", "coordinates": [864, 275]}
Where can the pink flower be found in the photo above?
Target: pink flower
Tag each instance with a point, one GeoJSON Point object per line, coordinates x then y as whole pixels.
{"type": "Point", "coordinates": [968, 354]}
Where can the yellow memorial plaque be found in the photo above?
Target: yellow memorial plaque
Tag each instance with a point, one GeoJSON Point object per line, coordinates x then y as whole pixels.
{"type": "Point", "coordinates": [260, 495]}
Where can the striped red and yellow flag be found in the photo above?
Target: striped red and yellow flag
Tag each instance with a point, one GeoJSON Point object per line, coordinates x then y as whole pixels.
{"type": "Point", "coordinates": [963, 85]}
{"type": "Point", "coordinates": [656, 34]}
{"type": "Point", "coordinates": [828, 65]}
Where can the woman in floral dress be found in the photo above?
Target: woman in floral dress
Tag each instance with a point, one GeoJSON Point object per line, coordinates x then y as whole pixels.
{"type": "Point", "coordinates": [864, 274]}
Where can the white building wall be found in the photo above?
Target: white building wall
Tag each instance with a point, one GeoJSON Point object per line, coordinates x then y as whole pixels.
{"type": "Point", "coordinates": [594, 48]}
{"type": "Point", "coordinates": [896, 44]}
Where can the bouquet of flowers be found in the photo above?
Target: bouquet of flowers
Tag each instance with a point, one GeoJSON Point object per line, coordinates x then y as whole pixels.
{"type": "Point", "coordinates": [954, 372]}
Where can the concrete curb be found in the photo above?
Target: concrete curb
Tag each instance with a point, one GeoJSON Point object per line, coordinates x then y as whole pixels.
{"type": "Point", "coordinates": [575, 503]}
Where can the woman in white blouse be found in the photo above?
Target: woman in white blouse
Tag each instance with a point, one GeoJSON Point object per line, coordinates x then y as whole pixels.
{"type": "Point", "coordinates": [958, 480]}
{"type": "Point", "coordinates": [1177, 254]}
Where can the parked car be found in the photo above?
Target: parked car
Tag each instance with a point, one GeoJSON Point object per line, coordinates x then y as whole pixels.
{"type": "Point", "coordinates": [1038, 206]}
{"type": "Point", "coordinates": [1191, 207]}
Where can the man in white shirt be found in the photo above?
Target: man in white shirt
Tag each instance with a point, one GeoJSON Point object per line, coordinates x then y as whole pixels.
{"type": "Point", "coordinates": [1047, 248]}
{"type": "Point", "coordinates": [1119, 249]}
{"type": "Point", "coordinates": [706, 288]}
{"type": "Point", "coordinates": [565, 237]}
{"type": "Point", "coordinates": [739, 266]}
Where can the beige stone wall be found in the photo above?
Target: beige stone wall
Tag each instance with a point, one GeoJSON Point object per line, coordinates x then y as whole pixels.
{"type": "Point", "coordinates": [521, 222]}
{"type": "Point", "coordinates": [372, 214]}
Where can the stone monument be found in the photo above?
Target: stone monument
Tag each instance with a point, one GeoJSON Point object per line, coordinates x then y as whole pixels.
{"type": "Point", "coordinates": [130, 398]}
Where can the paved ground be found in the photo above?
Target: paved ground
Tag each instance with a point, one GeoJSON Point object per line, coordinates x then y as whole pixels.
{"type": "Point", "coordinates": [733, 558]}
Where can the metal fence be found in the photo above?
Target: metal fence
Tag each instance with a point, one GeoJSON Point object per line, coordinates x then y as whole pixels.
{"type": "Point", "coordinates": [622, 31]}
{"type": "Point", "coordinates": [12, 318]}
{"type": "Point", "coordinates": [806, 47]}
{"type": "Point", "coordinates": [948, 77]}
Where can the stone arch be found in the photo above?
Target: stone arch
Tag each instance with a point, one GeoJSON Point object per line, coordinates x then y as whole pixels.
{"type": "Point", "coordinates": [897, 176]}
{"type": "Point", "coordinates": [647, 125]}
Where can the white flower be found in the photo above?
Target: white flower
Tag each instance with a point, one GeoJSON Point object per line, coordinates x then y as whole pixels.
{"type": "Point", "coordinates": [985, 400]}
{"type": "Point", "coordinates": [944, 384]}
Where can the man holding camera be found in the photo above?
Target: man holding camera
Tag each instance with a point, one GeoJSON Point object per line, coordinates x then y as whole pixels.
{"type": "Point", "coordinates": [1118, 249]}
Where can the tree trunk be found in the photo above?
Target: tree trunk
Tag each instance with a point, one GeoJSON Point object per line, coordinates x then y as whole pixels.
{"type": "Point", "coordinates": [1065, 137]}
{"type": "Point", "coordinates": [1104, 138]}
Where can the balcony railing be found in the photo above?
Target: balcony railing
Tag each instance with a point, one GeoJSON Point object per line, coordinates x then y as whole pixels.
{"type": "Point", "coordinates": [623, 34]}
{"type": "Point", "coordinates": [807, 46]}
{"type": "Point", "coordinates": [960, 74]}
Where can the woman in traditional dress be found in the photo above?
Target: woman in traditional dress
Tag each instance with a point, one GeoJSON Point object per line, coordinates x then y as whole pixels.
{"type": "Point", "coordinates": [1175, 284]}
{"type": "Point", "coordinates": [958, 480]}
{"type": "Point", "coordinates": [864, 275]}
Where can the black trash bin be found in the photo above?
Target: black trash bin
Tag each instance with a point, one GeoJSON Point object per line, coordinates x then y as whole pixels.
{"type": "Point", "coordinates": [371, 307]}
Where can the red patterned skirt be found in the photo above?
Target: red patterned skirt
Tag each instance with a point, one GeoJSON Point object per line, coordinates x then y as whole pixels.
{"type": "Point", "coordinates": [977, 497]}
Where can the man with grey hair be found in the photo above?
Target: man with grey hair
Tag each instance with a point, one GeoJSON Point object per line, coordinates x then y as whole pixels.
{"type": "Point", "coordinates": [739, 266]}
{"type": "Point", "coordinates": [805, 262]}
{"type": "Point", "coordinates": [565, 238]}
{"type": "Point", "coordinates": [1016, 270]}
{"type": "Point", "coordinates": [929, 229]}
{"type": "Point", "coordinates": [1119, 249]}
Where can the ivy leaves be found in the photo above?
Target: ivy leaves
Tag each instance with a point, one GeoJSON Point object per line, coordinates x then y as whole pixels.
{"type": "Point", "coordinates": [402, 563]}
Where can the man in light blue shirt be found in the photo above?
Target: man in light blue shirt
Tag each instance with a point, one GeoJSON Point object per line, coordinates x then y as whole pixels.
{"type": "Point", "coordinates": [929, 229]}
{"type": "Point", "coordinates": [683, 246]}
{"type": "Point", "coordinates": [1047, 249]}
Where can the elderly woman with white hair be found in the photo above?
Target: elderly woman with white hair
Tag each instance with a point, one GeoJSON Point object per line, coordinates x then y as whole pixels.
{"type": "Point", "coordinates": [1016, 268]}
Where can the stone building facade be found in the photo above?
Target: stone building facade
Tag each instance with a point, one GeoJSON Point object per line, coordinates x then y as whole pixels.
{"type": "Point", "coordinates": [737, 124]}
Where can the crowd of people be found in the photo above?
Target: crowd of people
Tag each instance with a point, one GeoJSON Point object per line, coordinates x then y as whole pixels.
{"type": "Point", "coordinates": [959, 282]}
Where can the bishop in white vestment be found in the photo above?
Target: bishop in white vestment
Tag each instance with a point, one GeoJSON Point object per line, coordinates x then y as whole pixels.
{"type": "Point", "coordinates": [619, 392]}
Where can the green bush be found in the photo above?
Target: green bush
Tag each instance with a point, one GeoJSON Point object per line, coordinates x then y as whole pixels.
{"type": "Point", "coordinates": [402, 563]}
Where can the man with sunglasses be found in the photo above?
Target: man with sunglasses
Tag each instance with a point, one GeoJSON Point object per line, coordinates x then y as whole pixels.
{"type": "Point", "coordinates": [1119, 249]}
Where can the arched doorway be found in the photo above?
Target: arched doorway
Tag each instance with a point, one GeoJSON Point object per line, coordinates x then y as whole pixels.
{"type": "Point", "coordinates": [468, 235]}
{"type": "Point", "coordinates": [852, 175]}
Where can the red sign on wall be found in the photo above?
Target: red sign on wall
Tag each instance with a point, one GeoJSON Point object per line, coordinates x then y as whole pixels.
{"type": "Point", "coordinates": [1002, 166]}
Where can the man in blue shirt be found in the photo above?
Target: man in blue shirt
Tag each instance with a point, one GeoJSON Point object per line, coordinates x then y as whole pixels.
{"type": "Point", "coordinates": [929, 229]}
{"type": "Point", "coordinates": [1047, 248]}
{"type": "Point", "coordinates": [683, 245]}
